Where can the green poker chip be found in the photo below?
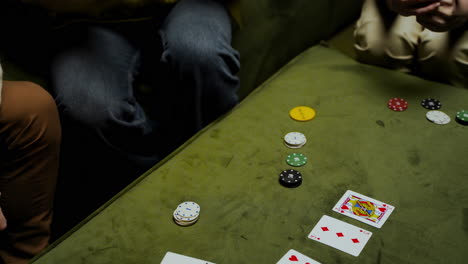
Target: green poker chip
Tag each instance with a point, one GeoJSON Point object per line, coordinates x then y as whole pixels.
{"type": "Point", "coordinates": [462, 115]}
{"type": "Point", "coordinates": [296, 159]}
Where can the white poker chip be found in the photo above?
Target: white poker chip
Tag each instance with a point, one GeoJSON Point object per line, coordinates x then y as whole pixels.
{"type": "Point", "coordinates": [293, 147]}
{"type": "Point", "coordinates": [186, 213]}
{"type": "Point", "coordinates": [181, 223]}
{"type": "Point", "coordinates": [295, 140]}
{"type": "Point", "coordinates": [188, 209]}
{"type": "Point", "coordinates": [185, 222]}
{"type": "Point", "coordinates": [438, 117]}
{"type": "Point", "coordinates": [183, 219]}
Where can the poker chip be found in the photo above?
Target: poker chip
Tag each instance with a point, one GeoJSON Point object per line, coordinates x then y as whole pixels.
{"type": "Point", "coordinates": [438, 117]}
{"type": "Point", "coordinates": [397, 104]}
{"type": "Point", "coordinates": [186, 213]}
{"type": "Point", "coordinates": [302, 113]}
{"type": "Point", "coordinates": [290, 178]}
{"type": "Point", "coordinates": [294, 140]}
{"type": "Point", "coordinates": [431, 104]}
{"type": "Point", "coordinates": [462, 117]}
{"type": "Point", "coordinates": [296, 159]}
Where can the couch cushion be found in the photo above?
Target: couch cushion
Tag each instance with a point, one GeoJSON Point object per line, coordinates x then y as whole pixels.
{"type": "Point", "coordinates": [275, 31]}
{"type": "Point", "coordinates": [355, 142]}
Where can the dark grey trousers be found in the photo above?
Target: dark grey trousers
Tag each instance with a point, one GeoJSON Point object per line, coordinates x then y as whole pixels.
{"type": "Point", "coordinates": [191, 69]}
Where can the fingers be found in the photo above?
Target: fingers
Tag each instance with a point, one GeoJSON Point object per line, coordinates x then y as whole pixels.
{"type": "Point", "coordinates": [3, 221]}
{"type": "Point", "coordinates": [439, 23]}
{"type": "Point", "coordinates": [415, 2]}
{"type": "Point", "coordinates": [413, 7]}
{"type": "Point", "coordinates": [425, 9]}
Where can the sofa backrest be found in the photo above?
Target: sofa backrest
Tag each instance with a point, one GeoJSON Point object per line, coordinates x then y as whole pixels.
{"type": "Point", "coordinates": [275, 31]}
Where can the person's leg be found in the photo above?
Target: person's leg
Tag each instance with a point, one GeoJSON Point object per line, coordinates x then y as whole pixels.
{"type": "Point", "coordinates": [433, 55]}
{"type": "Point", "coordinates": [107, 137]}
{"type": "Point", "coordinates": [197, 52]}
{"type": "Point", "coordinates": [386, 39]}
{"type": "Point", "coordinates": [92, 80]}
{"type": "Point", "coordinates": [370, 33]}
{"type": "Point", "coordinates": [29, 146]}
{"type": "Point", "coordinates": [444, 56]}
{"type": "Point", "coordinates": [402, 42]}
{"type": "Point", "coordinates": [459, 56]}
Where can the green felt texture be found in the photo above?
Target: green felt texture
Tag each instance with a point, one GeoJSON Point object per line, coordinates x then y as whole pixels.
{"type": "Point", "coordinates": [355, 142]}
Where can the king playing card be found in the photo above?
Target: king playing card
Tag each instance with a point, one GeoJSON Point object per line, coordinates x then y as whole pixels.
{"type": "Point", "coordinates": [363, 208]}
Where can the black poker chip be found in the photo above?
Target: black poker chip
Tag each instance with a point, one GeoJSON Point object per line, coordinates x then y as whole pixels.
{"type": "Point", "coordinates": [290, 178]}
{"type": "Point", "coordinates": [431, 104]}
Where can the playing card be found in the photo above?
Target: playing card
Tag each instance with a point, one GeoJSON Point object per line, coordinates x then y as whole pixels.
{"type": "Point", "coordinates": [340, 235]}
{"type": "Point", "coordinates": [363, 208]}
{"type": "Point", "coordinates": [294, 257]}
{"type": "Point", "coordinates": [173, 258]}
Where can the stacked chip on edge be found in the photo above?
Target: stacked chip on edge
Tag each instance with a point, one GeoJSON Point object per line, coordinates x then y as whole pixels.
{"type": "Point", "coordinates": [186, 213]}
{"type": "Point", "coordinates": [294, 140]}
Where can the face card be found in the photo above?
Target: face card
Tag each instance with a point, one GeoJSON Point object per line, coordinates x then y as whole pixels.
{"type": "Point", "coordinates": [173, 258]}
{"type": "Point", "coordinates": [294, 257]}
{"type": "Point", "coordinates": [363, 208]}
{"type": "Point", "coordinates": [340, 235]}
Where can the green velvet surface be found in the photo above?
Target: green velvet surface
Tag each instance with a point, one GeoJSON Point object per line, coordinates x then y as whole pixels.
{"type": "Point", "coordinates": [355, 142]}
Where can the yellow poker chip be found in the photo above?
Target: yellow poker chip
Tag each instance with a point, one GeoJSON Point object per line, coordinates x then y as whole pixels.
{"type": "Point", "coordinates": [302, 113]}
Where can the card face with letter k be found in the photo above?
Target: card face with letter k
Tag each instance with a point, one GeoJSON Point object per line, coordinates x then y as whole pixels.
{"type": "Point", "coordinates": [173, 258]}
{"type": "Point", "coordinates": [363, 208]}
{"type": "Point", "coordinates": [294, 257]}
{"type": "Point", "coordinates": [340, 235]}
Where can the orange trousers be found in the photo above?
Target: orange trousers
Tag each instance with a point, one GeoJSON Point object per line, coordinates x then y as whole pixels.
{"type": "Point", "coordinates": [30, 137]}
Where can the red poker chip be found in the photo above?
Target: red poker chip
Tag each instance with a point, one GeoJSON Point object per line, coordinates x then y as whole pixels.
{"type": "Point", "coordinates": [398, 104]}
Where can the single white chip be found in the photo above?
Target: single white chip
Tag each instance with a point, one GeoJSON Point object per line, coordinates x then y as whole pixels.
{"type": "Point", "coordinates": [295, 139]}
{"type": "Point", "coordinates": [438, 117]}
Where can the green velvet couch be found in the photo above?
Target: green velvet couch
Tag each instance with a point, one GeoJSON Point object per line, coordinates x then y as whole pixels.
{"type": "Point", "coordinates": [293, 53]}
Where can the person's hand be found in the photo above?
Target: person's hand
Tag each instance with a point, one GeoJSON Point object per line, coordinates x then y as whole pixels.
{"type": "Point", "coordinates": [3, 221]}
{"type": "Point", "coordinates": [442, 19]}
{"type": "Point", "coordinates": [412, 7]}
{"type": "Point", "coordinates": [461, 7]}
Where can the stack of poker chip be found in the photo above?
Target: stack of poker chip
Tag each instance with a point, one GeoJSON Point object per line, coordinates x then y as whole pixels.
{"type": "Point", "coordinates": [290, 178]}
{"type": "Point", "coordinates": [295, 140]}
{"type": "Point", "coordinates": [462, 117]}
{"type": "Point", "coordinates": [187, 213]}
